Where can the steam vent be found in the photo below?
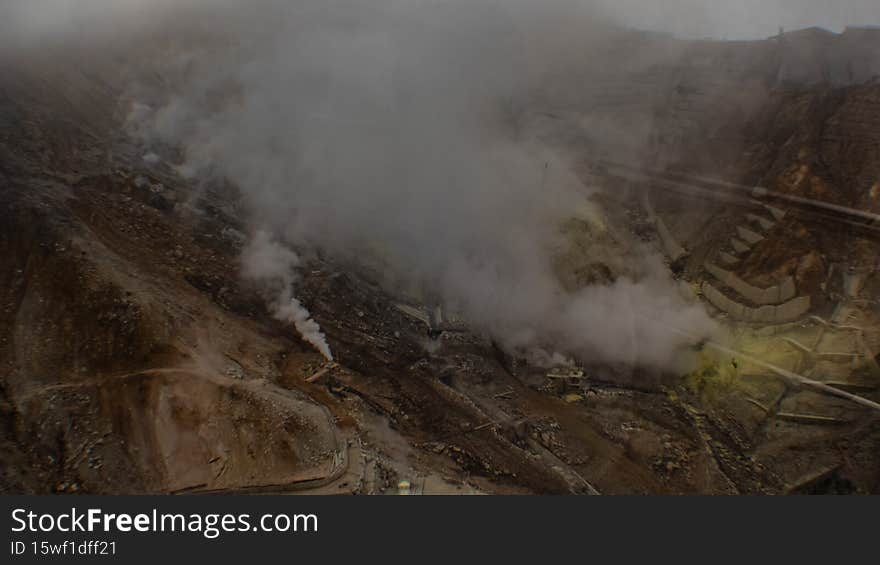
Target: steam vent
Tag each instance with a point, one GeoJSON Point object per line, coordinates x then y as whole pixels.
{"type": "Point", "coordinates": [447, 248]}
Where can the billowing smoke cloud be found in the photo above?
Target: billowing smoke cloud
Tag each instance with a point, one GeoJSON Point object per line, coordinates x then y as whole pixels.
{"type": "Point", "coordinates": [396, 134]}
{"type": "Point", "coordinates": [273, 265]}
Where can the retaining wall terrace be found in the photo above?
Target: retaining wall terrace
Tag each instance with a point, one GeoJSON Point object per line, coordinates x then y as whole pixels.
{"type": "Point", "coordinates": [790, 311]}
{"type": "Point", "coordinates": [773, 295]}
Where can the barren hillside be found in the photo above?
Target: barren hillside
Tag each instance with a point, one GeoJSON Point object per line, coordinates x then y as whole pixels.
{"type": "Point", "coordinates": [134, 358]}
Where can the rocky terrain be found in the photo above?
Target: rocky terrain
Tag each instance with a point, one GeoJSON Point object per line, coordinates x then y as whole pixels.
{"type": "Point", "coordinates": [133, 358]}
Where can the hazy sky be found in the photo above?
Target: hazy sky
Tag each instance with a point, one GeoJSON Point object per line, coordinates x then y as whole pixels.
{"type": "Point", "coordinates": [732, 19]}
{"type": "Point", "coordinates": [742, 18]}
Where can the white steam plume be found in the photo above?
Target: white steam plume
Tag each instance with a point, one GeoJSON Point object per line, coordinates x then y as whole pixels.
{"type": "Point", "coordinates": [395, 129]}
{"type": "Point", "coordinates": [274, 265]}
{"type": "Point", "coordinates": [391, 129]}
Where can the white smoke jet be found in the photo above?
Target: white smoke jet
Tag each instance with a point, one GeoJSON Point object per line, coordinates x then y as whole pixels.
{"type": "Point", "coordinates": [266, 261]}
{"type": "Point", "coordinates": [294, 311]}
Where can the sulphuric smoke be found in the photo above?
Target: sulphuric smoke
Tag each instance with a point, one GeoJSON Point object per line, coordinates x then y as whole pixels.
{"type": "Point", "coordinates": [273, 265]}
{"type": "Point", "coordinates": [397, 134]}
{"type": "Point", "coordinates": [294, 311]}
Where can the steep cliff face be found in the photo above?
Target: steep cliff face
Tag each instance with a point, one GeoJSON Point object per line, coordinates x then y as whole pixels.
{"type": "Point", "coordinates": [709, 106]}
{"type": "Point", "coordinates": [820, 143]}
{"type": "Point", "coordinates": [816, 56]}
